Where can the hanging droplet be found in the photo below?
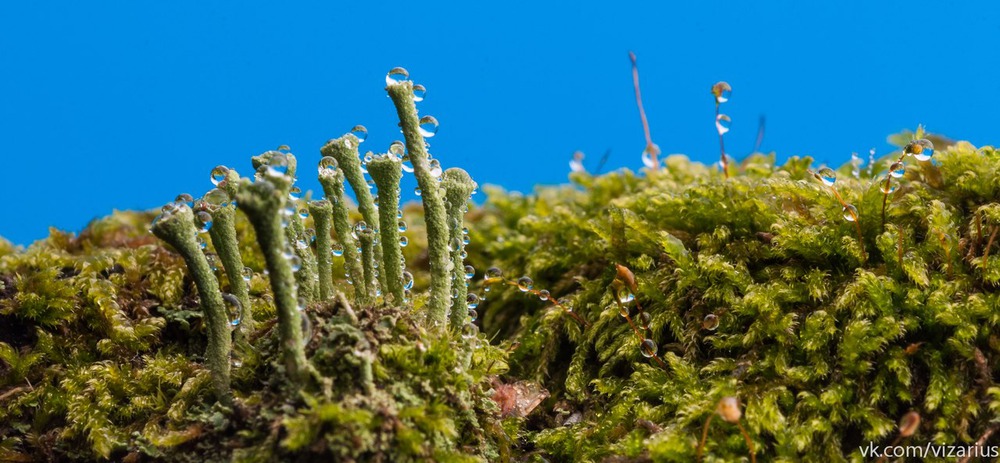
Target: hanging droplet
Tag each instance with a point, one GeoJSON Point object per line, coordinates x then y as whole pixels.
{"type": "Point", "coordinates": [648, 348]}
{"type": "Point", "coordinates": [472, 300]}
{"type": "Point", "coordinates": [544, 295]}
{"type": "Point", "coordinates": [435, 167]}
{"type": "Point", "coordinates": [219, 174]}
{"type": "Point", "coordinates": [247, 274]}
{"type": "Point", "coordinates": [850, 213]}
{"type": "Point", "coordinates": [921, 149]}
{"type": "Point", "coordinates": [576, 164]}
{"type": "Point", "coordinates": [722, 123]}
{"type": "Point", "coordinates": [525, 284]}
{"type": "Point", "coordinates": [710, 322]}
{"type": "Point", "coordinates": [361, 132]}
{"type": "Point", "coordinates": [827, 176]}
{"type": "Point", "coordinates": [407, 280]}
{"type": "Point", "coordinates": [897, 169]}
{"type": "Point", "coordinates": [419, 92]}
{"type": "Point", "coordinates": [396, 75]}
{"type": "Point", "coordinates": [337, 250]}
{"type": "Point", "coordinates": [722, 91]}
{"type": "Point", "coordinates": [295, 262]}
{"type": "Point", "coordinates": [428, 126]}
{"type": "Point", "coordinates": [206, 221]}
{"type": "Point", "coordinates": [416, 191]}
{"type": "Point", "coordinates": [233, 308]}
{"type": "Point", "coordinates": [403, 241]}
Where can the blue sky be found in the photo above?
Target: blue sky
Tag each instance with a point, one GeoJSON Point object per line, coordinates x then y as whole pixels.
{"type": "Point", "coordinates": [125, 104]}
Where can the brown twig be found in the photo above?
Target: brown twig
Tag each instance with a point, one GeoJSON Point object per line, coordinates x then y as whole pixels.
{"type": "Point", "coordinates": [651, 148]}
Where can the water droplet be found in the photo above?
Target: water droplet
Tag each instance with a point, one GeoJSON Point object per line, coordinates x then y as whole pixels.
{"type": "Point", "coordinates": [403, 241]}
{"type": "Point", "coordinates": [219, 174]}
{"type": "Point", "coordinates": [396, 75]}
{"type": "Point", "coordinates": [247, 274]}
{"type": "Point", "coordinates": [850, 213]}
{"type": "Point", "coordinates": [307, 328]}
{"type": "Point", "coordinates": [648, 348]}
{"type": "Point", "coordinates": [361, 132]}
{"type": "Point", "coordinates": [525, 284]}
{"type": "Point", "coordinates": [576, 164]}
{"type": "Point", "coordinates": [473, 300]}
{"type": "Point", "coordinates": [184, 198]}
{"type": "Point", "coordinates": [419, 91]}
{"type": "Point", "coordinates": [416, 191]}
{"type": "Point", "coordinates": [435, 167]}
{"type": "Point", "coordinates": [710, 322]}
{"type": "Point", "coordinates": [296, 262]}
{"type": "Point", "coordinates": [722, 123]}
{"type": "Point", "coordinates": [921, 149]}
{"type": "Point", "coordinates": [648, 154]}
{"type": "Point", "coordinates": [897, 169]}
{"type": "Point", "coordinates": [827, 176]}
{"type": "Point", "coordinates": [337, 250]}
{"type": "Point", "coordinates": [722, 91]}
{"type": "Point", "coordinates": [544, 295]}
{"type": "Point", "coordinates": [233, 308]}
{"type": "Point", "coordinates": [206, 221]}
{"type": "Point", "coordinates": [216, 197]}
{"type": "Point", "coordinates": [407, 280]}
{"type": "Point", "coordinates": [428, 126]}
{"type": "Point", "coordinates": [493, 274]}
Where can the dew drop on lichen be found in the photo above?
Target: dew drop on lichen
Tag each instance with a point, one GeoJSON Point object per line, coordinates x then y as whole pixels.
{"type": "Point", "coordinates": [219, 174]}
{"type": "Point", "coordinates": [722, 92]}
{"type": "Point", "coordinates": [525, 284]}
{"type": "Point", "coordinates": [722, 123]}
{"type": "Point", "coordinates": [361, 132]}
{"type": "Point", "coordinates": [827, 176]}
{"type": "Point", "coordinates": [233, 308]}
{"type": "Point", "coordinates": [648, 348]}
{"type": "Point", "coordinates": [710, 322]}
{"type": "Point", "coordinates": [419, 91]}
{"type": "Point", "coordinates": [428, 126]}
{"type": "Point", "coordinates": [850, 213]}
{"type": "Point", "coordinates": [396, 75]}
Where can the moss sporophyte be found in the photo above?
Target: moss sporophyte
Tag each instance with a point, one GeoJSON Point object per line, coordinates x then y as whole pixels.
{"type": "Point", "coordinates": [813, 310]}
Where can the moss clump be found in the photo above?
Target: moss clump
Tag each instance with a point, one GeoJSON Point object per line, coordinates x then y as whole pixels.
{"type": "Point", "coordinates": [756, 287]}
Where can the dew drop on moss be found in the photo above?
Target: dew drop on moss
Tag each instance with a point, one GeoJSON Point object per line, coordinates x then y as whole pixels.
{"type": "Point", "coordinates": [710, 322]}
{"type": "Point", "coordinates": [648, 348]}
{"type": "Point", "coordinates": [850, 213]}
{"type": "Point", "coordinates": [525, 284]}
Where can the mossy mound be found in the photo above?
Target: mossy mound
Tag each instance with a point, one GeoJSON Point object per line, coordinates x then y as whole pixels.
{"type": "Point", "coordinates": [828, 327]}
{"type": "Point", "coordinates": [101, 358]}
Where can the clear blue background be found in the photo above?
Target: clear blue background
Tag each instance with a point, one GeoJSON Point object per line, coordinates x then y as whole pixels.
{"type": "Point", "coordinates": [125, 104]}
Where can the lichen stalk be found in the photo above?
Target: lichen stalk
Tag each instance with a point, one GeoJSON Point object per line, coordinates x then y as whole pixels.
{"type": "Point", "coordinates": [262, 202]}
{"type": "Point", "coordinates": [345, 151]}
{"type": "Point", "coordinates": [332, 181]}
{"type": "Point", "coordinates": [322, 213]}
{"type": "Point", "coordinates": [367, 241]}
{"type": "Point", "coordinates": [176, 227]}
{"type": "Point", "coordinates": [387, 171]}
{"type": "Point", "coordinates": [458, 187]}
{"type": "Point", "coordinates": [305, 277]}
{"type": "Point", "coordinates": [435, 214]}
